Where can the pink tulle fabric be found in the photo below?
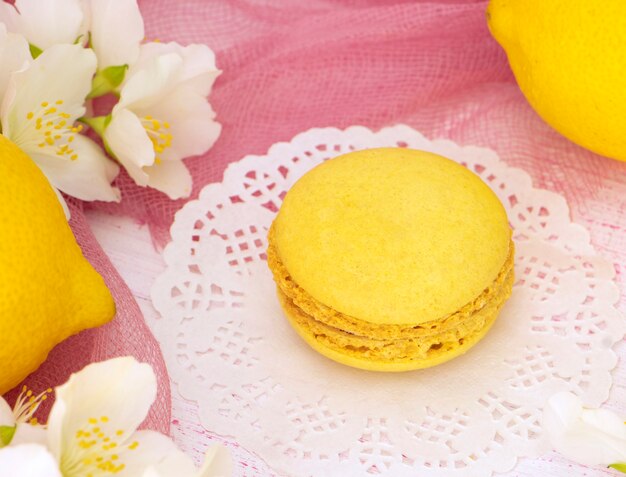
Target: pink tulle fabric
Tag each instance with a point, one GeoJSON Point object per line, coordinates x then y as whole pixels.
{"type": "Point", "coordinates": [289, 65]}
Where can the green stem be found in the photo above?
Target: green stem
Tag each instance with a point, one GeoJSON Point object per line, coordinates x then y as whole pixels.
{"type": "Point", "coordinates": [98, 124]}
{"type": "Point", "coordinates": [6, 435]}
{"type": "Point", "coordinates": [35, 51]}
{"type": "Point", "coordinates": [107, 81]}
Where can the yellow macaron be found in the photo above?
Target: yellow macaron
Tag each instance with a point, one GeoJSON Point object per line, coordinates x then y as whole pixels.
{"type": "Point", "coordinates": [391, 259]}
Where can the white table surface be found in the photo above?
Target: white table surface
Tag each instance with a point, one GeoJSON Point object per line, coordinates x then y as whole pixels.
{"type": "Point", "coordinates": [130, 249]}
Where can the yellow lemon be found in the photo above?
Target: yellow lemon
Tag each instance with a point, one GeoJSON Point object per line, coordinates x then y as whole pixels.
{"type": "Point", "coordinates": [569, 59]}
{"type": "Point", "coordinates": [48, 291]}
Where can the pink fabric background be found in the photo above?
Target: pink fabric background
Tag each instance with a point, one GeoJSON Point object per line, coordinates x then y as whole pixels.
{"type": "Point", "coordinates": [289, 65]}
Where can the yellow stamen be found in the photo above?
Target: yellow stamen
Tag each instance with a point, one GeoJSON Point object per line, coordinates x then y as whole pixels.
{"type": "Point", "coordinates": [160, 140]}
{"type": "Point", "coordinates": [58, 131]}
{"type": "Point", "coordinates": [27, 405]}
{"type": "Point", "coordinates": [97, 456]}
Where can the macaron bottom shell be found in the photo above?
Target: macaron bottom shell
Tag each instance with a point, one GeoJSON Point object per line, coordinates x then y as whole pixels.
{"type": "Point", "coordinates": [358, 358]}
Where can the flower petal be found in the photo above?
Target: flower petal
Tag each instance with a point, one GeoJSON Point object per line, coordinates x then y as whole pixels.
{"type": "Point", "coordinates": [6, 414]}
{"type": "Point", "coordinates": [88, 177]}
{"type": "Point", "coordinates": [116, 394]}
{"type": "Point", "coordinates": [129, 143]}
{"type": "Point", "coordinates": [148, 85]}
{"type": "Point", "coordinates": [62, 73]}
{"type": "Point", "coordinates": [28, 460]}
{"type": "Point", "coordinates": [14, 55]}
{"type": "Point", "coordinates": [217, 463]}
{"type": "Point", "coordinates": [607, 421]}
{"type": "Point", "coordinates": [29, 434]}
{"type": "Point", "coordinates": [10, 18]}
{"type": "Point", "coordinates": [171, 177]}
{"type": "Point", "coordinates": [581, 434]}
{"type": "Point", "coordinates": [48, 22]}
{"type": "Point", "coordinates": [116, 31]}
{"type": "Point", "coordinates": [192, 123]}
{"type": "Point", "coordinates": [157, 455]}
{"type": "Point", "coordinates": [66, 209]}
{"type": "Point", "coordinates": [564, 410]}
{"type": "Point", "coordinates": [198, 71]}
{"type": "Point", "coordinates": [83, 32]}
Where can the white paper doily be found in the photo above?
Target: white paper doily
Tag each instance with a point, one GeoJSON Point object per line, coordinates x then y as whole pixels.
{"type": "Point", "coordinates": [228, 347]}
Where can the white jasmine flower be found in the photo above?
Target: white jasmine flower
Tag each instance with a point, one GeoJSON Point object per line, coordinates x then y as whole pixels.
{"type": "Point", "coordinates": [587, 436]}
{"type": "Point", "coordinates": [39, 113]}
{"type": "Point", "coordinates": [163, 116]}
{"type": "Point", "coordinates": [92, 429]}
{"type": "Point", "coordinates": [44, 22]}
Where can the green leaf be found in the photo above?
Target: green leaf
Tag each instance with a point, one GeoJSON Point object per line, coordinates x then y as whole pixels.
{"type": "Point", "coordinates": [98, 124]}
{"type": "Point", "coordinates": [621, 466]}
{"type": "Point", "coordinates": [107, 80]}
{"type": "Point", "coordinates": [6, 435]}
{"type": "Point", "coordinates": [35, 51]}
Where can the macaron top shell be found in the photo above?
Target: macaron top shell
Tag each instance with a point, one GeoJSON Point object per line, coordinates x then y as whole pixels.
{"type": "Point", "coordinates": [392, 236]}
